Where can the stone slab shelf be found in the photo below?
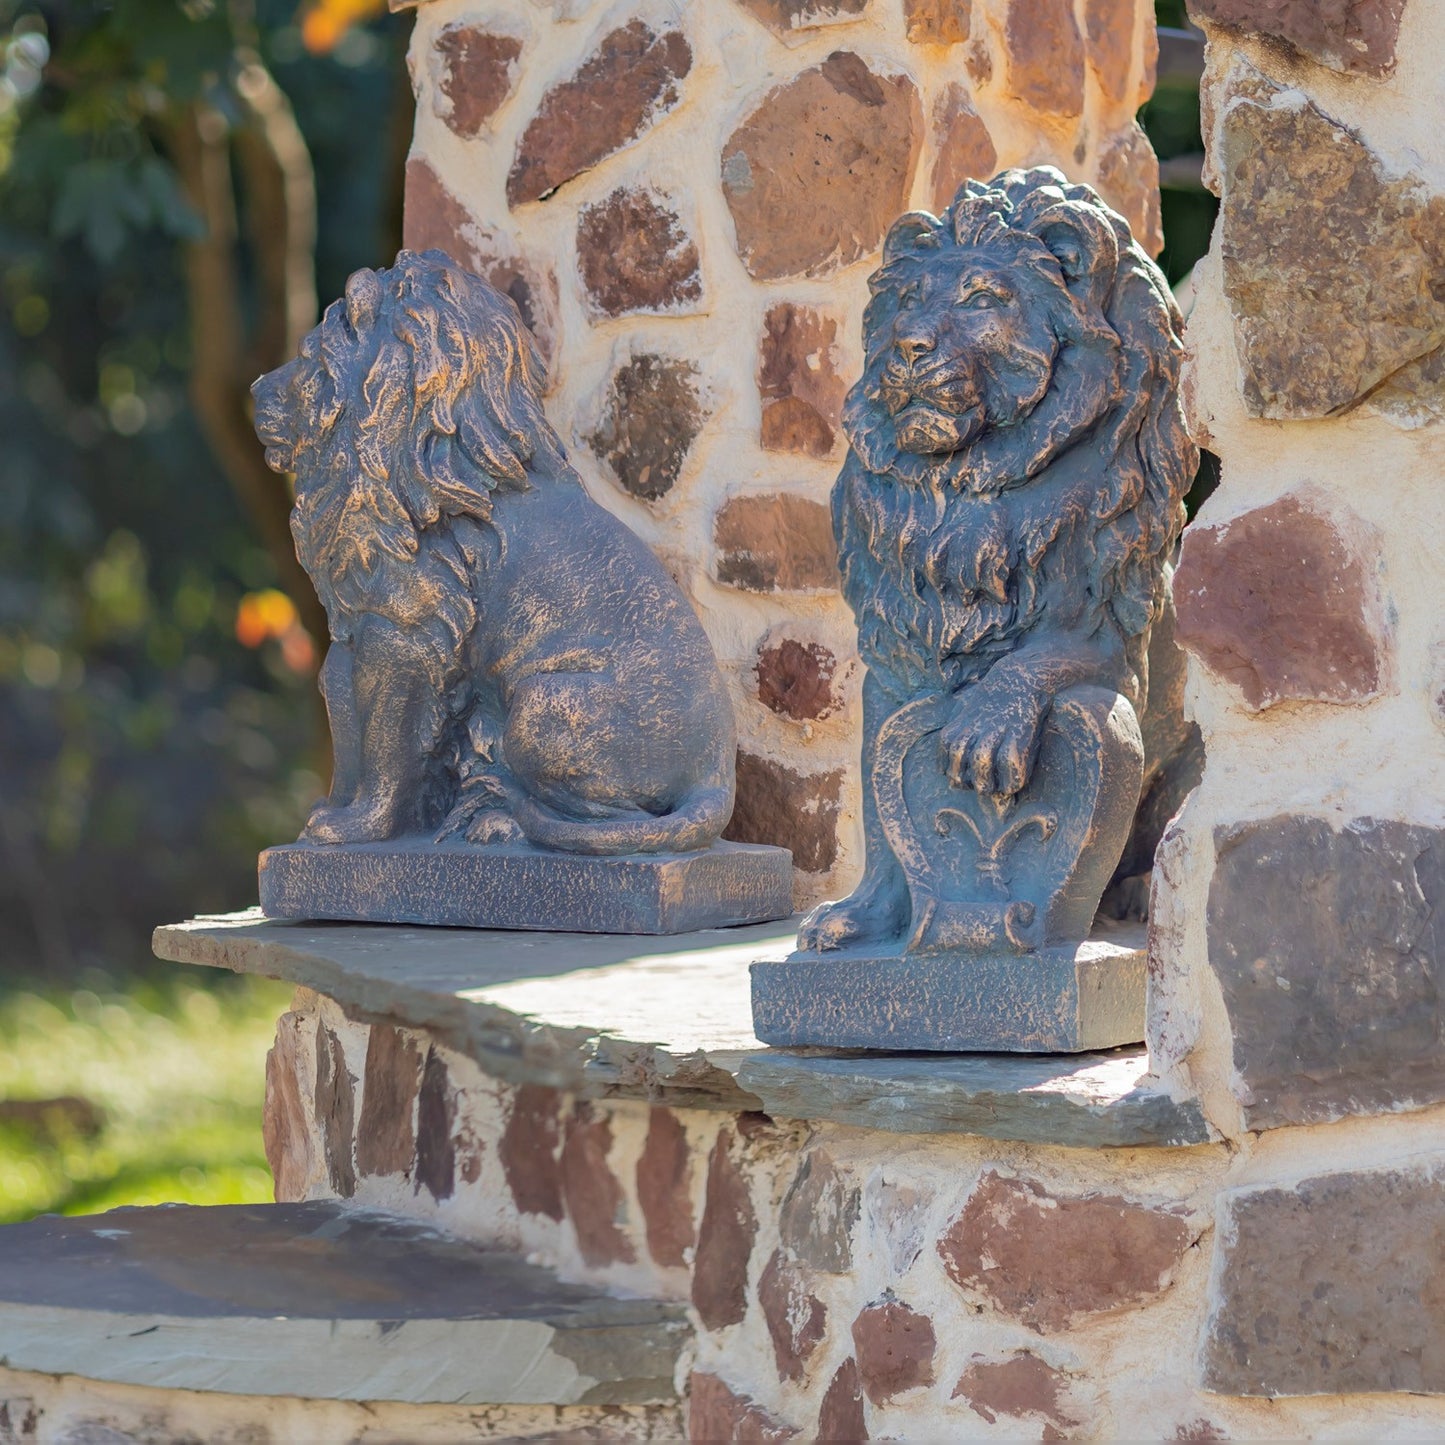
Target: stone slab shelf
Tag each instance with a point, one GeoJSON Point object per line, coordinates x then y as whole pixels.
{"type": "Point", "coordinates": [323, 1303]}
{"type": "Point", "coordinates": [667, 1020]}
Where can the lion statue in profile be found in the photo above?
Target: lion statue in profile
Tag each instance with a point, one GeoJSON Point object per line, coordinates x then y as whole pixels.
{"type": "Point", "coordinates": [1010, 501]}
{"type": "Point", "coordinates": [508, 661]}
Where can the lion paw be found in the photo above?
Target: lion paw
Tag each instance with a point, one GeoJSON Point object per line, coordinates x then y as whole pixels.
{"type": "Point", "coordinates": [992, 742]}
{"type": "Point", "coordinates": [371, 822]}
{"type": "Point", "coordinates": [864, 917]}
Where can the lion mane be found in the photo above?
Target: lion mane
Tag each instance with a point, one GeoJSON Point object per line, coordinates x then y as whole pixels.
{"type": "Point", "coordinates": [949, 544]}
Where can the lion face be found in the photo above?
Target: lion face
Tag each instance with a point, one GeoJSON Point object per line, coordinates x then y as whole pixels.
{"type": "Point", "coordinates": [968, 347]}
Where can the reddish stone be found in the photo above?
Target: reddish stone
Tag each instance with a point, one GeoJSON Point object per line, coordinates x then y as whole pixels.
{"type": "Point", "coordinates": [799, 382]}
{"type": "Point", "coordinates": [795, 1317]}
{"type": "Point", "coordinates": [594, 1198]}
{"type": "Point", "coordinates": [436, 1116]}
{"type": "Point", "coordinates": [1046, 57]}
{"type": "Point", "coordinates": [937, 22]}
{"type": "Point", "coordinates": [651, 418]}
{"type": "Point", "coordinates": [963, 149]}
{"type": "Point", "coordinates": [841, 1420]}
{"type": "Point", "coordinates": [818, 1215]}
{"type": "Point", "coordinates": [1278, 603]}
{"type": "Point", "coordinates": [336, 1111]}
{"type": "Point", "coordinates": [724, 1242]}
{"type": "Point", "coordinates": [716, 1413]}
{"type": "Point", "coordinates": [1129, 181]}
{"type": "Point", "coordinates": [1356, 36]}
{"type": "Point", "coordinates": [978, 60]}
{"type": "Point", "coordinates": [815, 175]}
{"type": "Point", "coordinates": [1150, 75]}
{"type": "Point", "coordinates": [386, 1135]}
{"type": "Point", "coordinates": [894, 1348]}
{"type": "Point", "coordinates": [777, 542]}
{"type": "Point", "coordinates": [635, 256]}
{"type": "Point", "coordinates": [1021, 1386]}
{"type": "Point", "coordinates": [782, 16]}
{"type": "Point", "coordinates": [662, 1189]}
{"type": "Point", "coordinates": [528, 1151]}
{"type": "Point", "coordinates": [478, 69]}
{"type": "Point", "coordinates": [285, 1126]}
{"type": "Point", "coordinates": [1048, 1260]}
{"type": "Point", "coordinates": [777, 805]}
{"type": "Point", "coordinates": [634, 77]}
{"type": "Point", "coordinates": [1110, 25]}
{"type": "Point", "coordinates": [470, 1151]}
{"type": "Point", "coordinates": [795, 680]}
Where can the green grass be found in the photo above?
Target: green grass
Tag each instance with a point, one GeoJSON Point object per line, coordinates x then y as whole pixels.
{"type": "Point", "coordinates": [144, 1093]}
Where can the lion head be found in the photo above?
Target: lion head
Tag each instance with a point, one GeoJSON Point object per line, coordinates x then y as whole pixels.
{"type": "Point", "coordinates": [998, 337]}
{"type": "Point", "coordinates": [416, 399]}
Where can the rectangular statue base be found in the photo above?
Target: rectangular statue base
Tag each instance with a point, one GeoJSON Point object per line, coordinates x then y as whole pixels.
{"type": "Point", "coordinates": [1059, 1000]}
{"type": "Point", "coordinates": [459, 885]}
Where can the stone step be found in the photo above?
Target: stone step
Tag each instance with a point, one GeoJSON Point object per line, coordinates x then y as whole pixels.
{"type": "Point", "coordinates": [320, 1302]}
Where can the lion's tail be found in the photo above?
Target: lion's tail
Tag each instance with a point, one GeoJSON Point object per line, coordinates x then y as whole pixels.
{"type": "Point", "coordinates": [697, 821]}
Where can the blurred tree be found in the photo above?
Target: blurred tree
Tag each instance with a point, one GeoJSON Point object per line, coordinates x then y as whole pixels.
{"type": "Point", "coordinates": [165, 210]}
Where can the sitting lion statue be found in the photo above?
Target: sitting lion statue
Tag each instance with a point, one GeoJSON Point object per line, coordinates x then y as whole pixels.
{"type": "Point", "coordinates": [508, 662]}
{"type": "Point", "coordinates": [1012, 493]}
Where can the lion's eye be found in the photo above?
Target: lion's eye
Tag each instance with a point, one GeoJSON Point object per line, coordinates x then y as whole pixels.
{"type": "Point", "coordinates": [981, 299]}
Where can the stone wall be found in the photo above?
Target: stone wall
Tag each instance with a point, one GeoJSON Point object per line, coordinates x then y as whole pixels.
{"type": "Point", "coordinates": [1298, 958]}
{"type": "Point", "coordinates": [685, 200]}
{"type": "Point", "coordinates": [849, 1283]}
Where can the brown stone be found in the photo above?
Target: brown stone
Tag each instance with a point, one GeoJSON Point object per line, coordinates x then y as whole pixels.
{"type": "Point", "coordinates": [436, 1117]}
{"type": "Point", "coordinates": [1334, 268]}
{"type": "Point", "coordinates": [1330, 956]}
{"type": "Point", "coordinates": [937, 22]}
{"type": "Point", "coordinates": [782, 16]}
{"type": "Point", "coordinates": [777, 542]}
{"type": "Point", "coordinates": [818, 171]}
{"type": "Point", "coordinates": [1019, 1387]}
{"type": "Point", "coordinates": [841, 1420]}
{"type": "Point", "coordinates": [1279, 604]}
{"type": "Point", "coordinates": [776, 804]}
{"type": "Point", "coordinates": [386, 1136]}
{"type": "Point", "coordinates": [1045, 67]}
{"type": "Point", "coordinates": [795, 1317]}
{"type": "Point", "coordinates": [1109, 27]}
{"type": "Point", "coordinates": [819, 1213]}
{"type": "Point", "coordinates": [894, 1348]}
{"type": "Point", "coordinates": [477, 71]}
{"type": "Point", "coordinates": [634, 255]}
{"type": "Point", "coordinates": [1331, 1286]}
{"type": "Point", "coordinates": [716, 1413]}
{"type": "Point", "coordinates": [634, 77]}
{"type": "Point", "coordinates": [528, 1151]}
{"type": "Point", "coordinates": [1149, 76]}
{"type": "Point", "coordinates": [336, 1111]}
{"type": "Point", "coordinates": [978, 60]}
{"type": "Point", "coordinates": [651, 418]}
{"type": "Point", "coordinates": [962, 147]}
{"type": "Point", "coordinates": [1128, 179]}
{"type": "Point", "coordinates": [799, 382]}
{"type": "Point", "coordinates": [1049, 1260]}
{"type": "Point", "coordinates": [285, 1123]}
{"type": "Point", "coordinates": [590, 1190]}
{"type": "Point", "coordinates": [1356, 36]}
{"type": "Point", "coordinates": [663, 1189]}
{"type": "Point", "coordinates": [724, 1241]}
{"type": "Point", "coordinates": [795, 679]}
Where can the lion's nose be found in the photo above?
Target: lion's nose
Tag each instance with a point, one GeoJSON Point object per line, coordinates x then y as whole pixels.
{"type": "Point", "coordinates": [914, 343]}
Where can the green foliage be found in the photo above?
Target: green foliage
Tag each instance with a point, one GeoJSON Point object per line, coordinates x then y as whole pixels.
{"type": "Point", "coordinates": [146, 1096]}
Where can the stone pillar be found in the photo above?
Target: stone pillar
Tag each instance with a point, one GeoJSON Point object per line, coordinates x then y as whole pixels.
{"type": "Point", "coordinates": [1299, 955]}
{"type": "Point", "coordinates": [686, 200]}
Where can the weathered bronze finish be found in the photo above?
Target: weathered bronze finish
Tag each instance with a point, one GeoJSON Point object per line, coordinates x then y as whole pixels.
{"type": "Point", "coordinates": [510, 666]}
{"type": "Point", "coordinates": [1012, 492]}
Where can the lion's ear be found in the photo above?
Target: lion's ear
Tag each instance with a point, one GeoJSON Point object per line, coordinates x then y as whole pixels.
{"type": "Point", "coordinates": [910, 234]}
{"type": "Point", "coordinates": [363, 299]}
{"type": "Point", "coordinates": [1085, 244]}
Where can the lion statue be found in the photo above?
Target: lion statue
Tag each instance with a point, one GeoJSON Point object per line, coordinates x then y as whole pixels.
{"type": "Point", "coordinates": [1011, 496]}
{"type": "Point", "coordinates": [508, 662]}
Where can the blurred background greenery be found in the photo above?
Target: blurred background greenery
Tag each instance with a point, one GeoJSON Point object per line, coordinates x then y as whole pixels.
{"type": "Point", "coordinates": [179, 183]}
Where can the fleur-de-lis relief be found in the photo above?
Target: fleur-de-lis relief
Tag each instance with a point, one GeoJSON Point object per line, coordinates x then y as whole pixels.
{"type": "Point", "coordinates": [993, 850]}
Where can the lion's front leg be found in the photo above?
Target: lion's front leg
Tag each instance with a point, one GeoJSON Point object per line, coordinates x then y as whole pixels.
{"type": "Point", "coordinates": [396, 711]}
{"type": "Point", "coordinates": [992, 741]}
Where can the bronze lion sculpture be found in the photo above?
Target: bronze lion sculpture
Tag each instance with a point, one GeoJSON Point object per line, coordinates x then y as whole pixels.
{"type": "Point", "coordinates": [508, 661]}
{"type": "Point", "coordinates": [1012, 494]}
